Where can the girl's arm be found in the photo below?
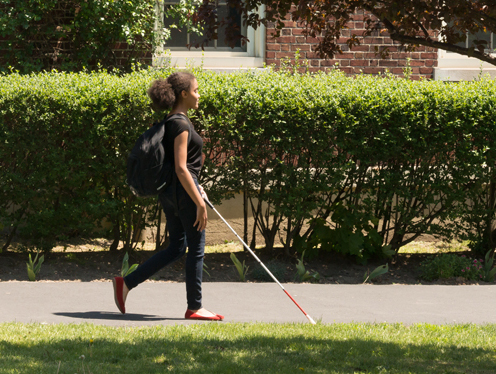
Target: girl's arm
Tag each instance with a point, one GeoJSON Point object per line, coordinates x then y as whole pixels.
{"type": "Point", "coordinates": [180, 158]}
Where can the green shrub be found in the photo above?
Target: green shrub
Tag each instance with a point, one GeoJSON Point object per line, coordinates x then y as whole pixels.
{"type": "Point", "coordinates": [378, 161]}
{"type": "Point", "coordinates": [360, 165]}
{"type": "Point", "coordinates": [451, 265]}
{"type": "Point", "coordinates": [73, 35]}
{"type": "Point", "coordinates": [65, 140]}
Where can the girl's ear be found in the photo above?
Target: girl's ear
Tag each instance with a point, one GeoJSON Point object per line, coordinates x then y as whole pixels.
{"type": "Point", "coordinates": [184, 94]}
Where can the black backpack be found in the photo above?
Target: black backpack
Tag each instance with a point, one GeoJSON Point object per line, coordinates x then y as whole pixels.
{"type": "Point", "coordinates": [149, 170]}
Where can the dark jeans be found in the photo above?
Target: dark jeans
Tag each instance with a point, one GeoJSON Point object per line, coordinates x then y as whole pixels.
{"type": "Point", "coordinates": [182, 234]}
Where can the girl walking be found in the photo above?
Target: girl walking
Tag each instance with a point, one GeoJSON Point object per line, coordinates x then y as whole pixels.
{"type": "Point", "coordinates": [182, 202]}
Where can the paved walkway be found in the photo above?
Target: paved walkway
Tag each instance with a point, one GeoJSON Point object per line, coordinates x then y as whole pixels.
{"type": "Point", "coordinates": [161, 303]}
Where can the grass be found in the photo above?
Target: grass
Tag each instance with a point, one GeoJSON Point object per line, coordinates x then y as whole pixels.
{"type": "Point", "coordinates": [248, 348]}
{"type": "Point", "coordinates": [227, 247]}
{"type": "Point", "coordinates": [434, 247]}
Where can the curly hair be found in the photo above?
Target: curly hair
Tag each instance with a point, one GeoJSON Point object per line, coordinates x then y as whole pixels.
{"type": "Point", "coordinates": [165, 93]}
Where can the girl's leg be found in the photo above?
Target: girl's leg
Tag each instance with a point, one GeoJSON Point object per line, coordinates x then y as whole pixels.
{"type": "Point", "coordinates": [196, 247]}
{"type": "Point", "coordinates": [175, 250]}
{"type": "Point", "coordinates": [194, 259]}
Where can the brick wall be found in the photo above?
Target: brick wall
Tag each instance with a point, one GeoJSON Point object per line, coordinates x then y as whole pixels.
{"type": "Point", "coordinates": [360, 59]}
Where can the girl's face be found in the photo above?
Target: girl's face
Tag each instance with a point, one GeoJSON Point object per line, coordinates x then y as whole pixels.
{"type": "Point", "coordinates": [191, 97]}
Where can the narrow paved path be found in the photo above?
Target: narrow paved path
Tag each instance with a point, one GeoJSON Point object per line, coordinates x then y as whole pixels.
{"type": "Point", "coordinates": [165, 303]}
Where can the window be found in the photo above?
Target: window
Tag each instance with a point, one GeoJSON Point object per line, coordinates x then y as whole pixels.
{"type": "Point", "coordinates": [455, 67]}
{"type": "Point", "coordinates": [481, 35]}
{"type": "Point", "coordinates": [217, 55]}
{"type": "Point", "coordinates": [180, 38]}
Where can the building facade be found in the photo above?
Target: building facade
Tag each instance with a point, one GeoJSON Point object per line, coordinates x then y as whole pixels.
{"type": "Point", "coordinates": [264, 49]}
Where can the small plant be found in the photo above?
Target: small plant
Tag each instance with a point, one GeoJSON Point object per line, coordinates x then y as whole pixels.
{"type": "Point", "coordinates": [378, 271]}
{"type": "Point", "coordinates": [34, 267]}
{"type": "Point", "coordinates": [125, 269]}
{"type": "Point", "coordinates": [489, 270]}
{"type": "Point", "coordinates": [205, 267]}
{"type": "Point", "coordinates": [407, 70]}
{"type": "Point", "coordinates": [241, 267]}
{"type": "Point", "coordinates": [303, 274]}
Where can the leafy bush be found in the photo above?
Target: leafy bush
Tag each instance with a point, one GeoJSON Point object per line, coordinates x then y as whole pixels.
{"type": "Point", "coordinates": [450, 265]}
{"type": "Point", "coordinates": [325, 160]}
{"type": "Point", "coordinates": [72, 35]}
{"type": "Point", "coordinates": [65, 140]}
{"type": "Point", "coordinates": [360, 165]}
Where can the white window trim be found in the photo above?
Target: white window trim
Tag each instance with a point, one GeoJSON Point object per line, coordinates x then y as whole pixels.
{"type": "Point", "coordinates": [254, 57]}
{"type": "Point", "coordinates": [457, 67]}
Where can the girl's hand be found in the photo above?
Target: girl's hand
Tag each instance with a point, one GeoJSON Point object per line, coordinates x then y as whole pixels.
{"type": "Point", "coordinates": [201, 218]}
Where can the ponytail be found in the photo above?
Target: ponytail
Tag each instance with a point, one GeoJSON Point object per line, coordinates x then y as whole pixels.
{"type": "Point", "coordinates": [166, 93]}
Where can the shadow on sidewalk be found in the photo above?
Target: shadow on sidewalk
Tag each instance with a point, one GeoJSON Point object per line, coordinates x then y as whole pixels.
{"type": "Point", "coordinates": [115, 316]}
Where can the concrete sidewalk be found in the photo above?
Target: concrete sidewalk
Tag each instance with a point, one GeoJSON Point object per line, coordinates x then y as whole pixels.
{"type": "Point", "coordinates": [159, 303]}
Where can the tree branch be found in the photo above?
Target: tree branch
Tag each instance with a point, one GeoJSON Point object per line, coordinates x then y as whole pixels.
{"type": "Point", "coordinates": [407, 39]}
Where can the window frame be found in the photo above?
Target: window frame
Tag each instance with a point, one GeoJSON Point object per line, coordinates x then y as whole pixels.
{"type": "Point", "coordinates": [254, 57]}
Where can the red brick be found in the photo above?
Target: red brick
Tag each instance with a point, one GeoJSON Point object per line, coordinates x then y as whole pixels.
{"type": "Point", "coordinates": [346, 70]}
{"type": "Point", "coordinates": [359, 63]}
{"type": "Point", "coordinates": [364, 48]}
{"type": "Point", "coordinates": [313, 55]}
{"type": "Point", "coordinates": [328, 63]}
{"type": "Point", "coordinates": [301, 47]}
{"type": "Point", "coordinates": [372, 70]}
{"type": "Point", "coordinates": [388, 63]}
{"type": "Point", "coordinates": [273, 47]}
{"type": "Point", "coordinates": [298, 31]}
{"type": "Point", "coordinates": [284, 54]}
{"type": "Point", "coordinates": [285, 39]}
{"type": "Point", "coordinates": [417, 63]}
{"type": "Point", "coordinates": [290, 24]}
{"type": "Point", "coordinates": [428, 55]}
{"type": "Point", "coordinates": [357, 17]}
{"type": "Point", "coordinates": [373, 40]}
{"type": "Point", "coordinates": [348, 55]}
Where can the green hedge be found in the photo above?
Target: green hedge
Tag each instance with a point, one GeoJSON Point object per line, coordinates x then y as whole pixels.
{"type": "Point", "coordinates": [384, 159]}
{"type": "Point", "coordinates": [387, 159]}
{"type": "Point", "coordinates": [65, 139]}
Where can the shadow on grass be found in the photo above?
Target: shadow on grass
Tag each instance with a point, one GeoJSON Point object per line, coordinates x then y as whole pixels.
{"type": "Point", "coordinates": [236, 349]}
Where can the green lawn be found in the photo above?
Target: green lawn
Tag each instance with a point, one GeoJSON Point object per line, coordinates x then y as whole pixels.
{"type": "Point", "coordinates": [248, 348]}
